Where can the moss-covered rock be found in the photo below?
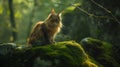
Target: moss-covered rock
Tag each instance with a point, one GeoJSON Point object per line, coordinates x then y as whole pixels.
{"type": "Point", "coordinates": [101, 51]}
{"type": "Point", "coordinates": [62, 54]}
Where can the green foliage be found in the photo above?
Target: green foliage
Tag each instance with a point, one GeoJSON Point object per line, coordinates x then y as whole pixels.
{"type": "Point", "coordinates": [1, 9]}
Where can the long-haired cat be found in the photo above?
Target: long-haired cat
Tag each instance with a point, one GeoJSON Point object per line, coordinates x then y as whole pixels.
{"type": "Point", "coordinates": [45, 31]}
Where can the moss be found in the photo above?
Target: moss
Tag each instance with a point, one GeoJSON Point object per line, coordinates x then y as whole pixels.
{"type": "Point", "coordinates": [96, 46]}
{"type": "Point", "coordinates": [61, 54]}
{"type": "Point", "coordinates": [101, 51]}
{"type": "Point", "coordinates": [87, 63]}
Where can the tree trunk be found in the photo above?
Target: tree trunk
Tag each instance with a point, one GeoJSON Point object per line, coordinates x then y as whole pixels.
{"type": "Point", "coordinates": [12, 20]}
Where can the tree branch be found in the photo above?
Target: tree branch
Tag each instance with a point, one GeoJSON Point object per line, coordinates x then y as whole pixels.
{"type": "Point", "coordinates": [108, 11]}
{"type": "Point", "coordinates": [90, 14]}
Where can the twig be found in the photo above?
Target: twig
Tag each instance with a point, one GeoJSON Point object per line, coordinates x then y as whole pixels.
{"type": "Point", "coordinates": [108, 11]}
{"type": "Point", "coordinates": [90, 14]}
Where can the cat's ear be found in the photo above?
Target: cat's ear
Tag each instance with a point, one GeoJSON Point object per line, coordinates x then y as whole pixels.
{"type": "Point", "coordinates": [53, 11]}
{"type": "Point", "coordinates": [59, 14]}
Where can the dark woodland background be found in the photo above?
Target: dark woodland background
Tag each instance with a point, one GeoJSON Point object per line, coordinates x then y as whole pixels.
{"type": "Point", "coordinates": [99, 19]}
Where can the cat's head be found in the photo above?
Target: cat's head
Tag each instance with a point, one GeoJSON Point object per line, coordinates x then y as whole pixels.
{"type": "Point", "coordinates": [54, 18]}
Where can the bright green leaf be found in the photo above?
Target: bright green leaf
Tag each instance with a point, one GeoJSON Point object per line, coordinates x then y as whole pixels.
{"type": "Point", "coordinates": [1, 9]}
{"type": "Point", "coordinates": [18, 14]}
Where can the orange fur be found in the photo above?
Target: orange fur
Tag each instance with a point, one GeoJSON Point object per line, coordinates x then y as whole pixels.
{"type": "Point", "coordinates": [44, 32]}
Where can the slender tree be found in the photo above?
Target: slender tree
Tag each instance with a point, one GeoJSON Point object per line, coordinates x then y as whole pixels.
{"type": "Point", "coordinates": [12, 20]}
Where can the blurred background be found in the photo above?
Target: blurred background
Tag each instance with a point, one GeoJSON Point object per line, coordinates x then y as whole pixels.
{"type": "Point", "coordinates": [81, 18]}
{"type": "Point", "coordinates": [17, 17]}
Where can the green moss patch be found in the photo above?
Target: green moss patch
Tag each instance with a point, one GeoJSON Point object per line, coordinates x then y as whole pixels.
{"type": "Point", "coordinates": [61, 54]}
{"type": "Point", "coordinates": [101, 51]}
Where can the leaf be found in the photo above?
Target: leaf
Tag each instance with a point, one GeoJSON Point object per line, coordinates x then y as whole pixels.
{"type": "Point", "coordinates": [71, 8]}
{"type": "Point", "coordinates": [18, 14]}
{"type": "Point", "coordinates": [1, 9]}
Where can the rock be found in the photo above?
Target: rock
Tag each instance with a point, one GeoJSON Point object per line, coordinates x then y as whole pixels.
{"type": "Point", "coordinates": [101, 51]}
{"type": "Point", "coordinates": [6, 48]}
{"type": "Point", "coordinates": [61, 54]}
{"type": "Point", "coordinates": [6, 51]}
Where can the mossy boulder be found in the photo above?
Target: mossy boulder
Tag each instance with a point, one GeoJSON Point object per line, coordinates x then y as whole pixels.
{"type": "Point", "coordinates": [101, 51]}
{"type": "Point", "coordinates": [61, 54]}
